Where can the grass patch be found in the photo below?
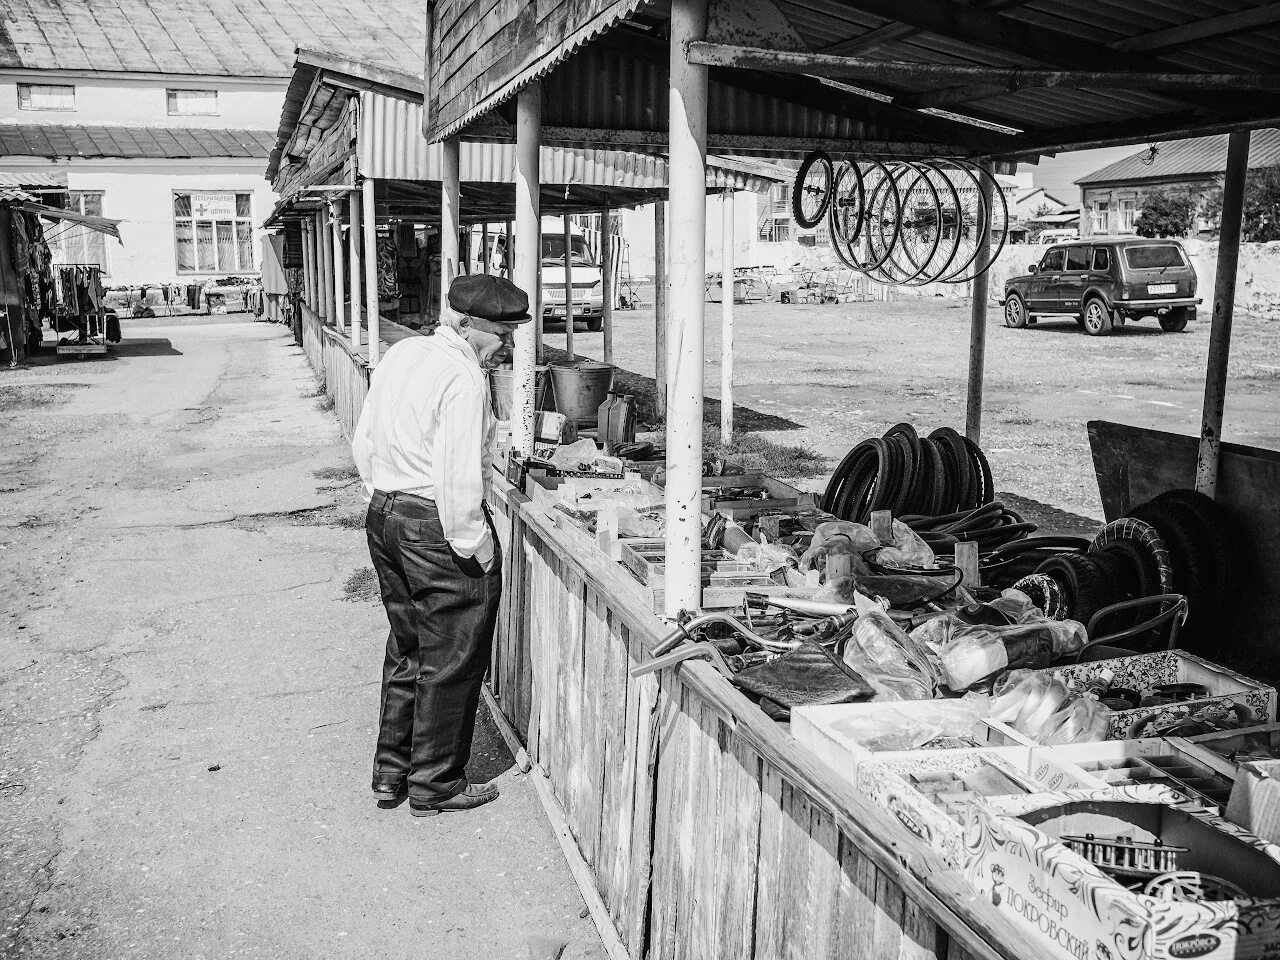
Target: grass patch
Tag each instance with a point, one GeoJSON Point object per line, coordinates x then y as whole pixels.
{"type": "Point", "coordinates": [324, 404]}
{"type": "Point", "coordinates": [1019, 421]}
{"type": "Point", "coordinates": [348, 472]}
{"type": "Point", "coordinates": [751, 451]}
{"type": "Point", "coordinates": [361, 585]}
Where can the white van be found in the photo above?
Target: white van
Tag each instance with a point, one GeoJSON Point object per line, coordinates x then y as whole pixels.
{"type": "Point", "coordinates": [587, 279]}
{"type": "Point", "coordinates": [1057, 236]}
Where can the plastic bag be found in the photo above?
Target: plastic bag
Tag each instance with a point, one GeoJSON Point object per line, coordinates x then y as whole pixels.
{"type": "Point", "coordinates": [576, 456]}
{"type": "Point", "coordinates": [1034, 643]}
{"type": "Point", "coordinates": [908, 550]}
{"type": "Point", "coordinates": [839, 536]}
{"type": "Point", "coordinates": [886, 656]}
{"type": "Point", "coordinates": [1083, 720]}
{"type": "Point", "coordinates": [649, 523]}
{"type": "Point", "coordinates": [970, 657]}
{"type": "Point", "coordinates": [766, 557]}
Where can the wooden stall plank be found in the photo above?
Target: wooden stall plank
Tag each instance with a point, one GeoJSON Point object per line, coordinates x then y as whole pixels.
{"type": "Point", "coordinates": [706, 807]}
{"type": "Point", "coordinates": [737, 846]}
{"type": "Point", "coordinates": [595, 654]}
{"type": "Point", "coordinates": [771, 884]}
{"type": "Point", "coordinates": [797, 846]}
{"type": "Point", "coordinates": [670, 819]}
{"type": "Point", "coordinates": [921, 937]}
{"type": "Point", "coordinates": [617, 775]}
{"type": "Point", "coordinates": [887, 937]}
{"type": "Point", "coordinates": [634, 911]}
{"type": "Point", "coordinates": [570, 670]}
{"type": "Point", "coordinates": [825, 876]}
{"type": "Point", "coordinates": [857, 903]}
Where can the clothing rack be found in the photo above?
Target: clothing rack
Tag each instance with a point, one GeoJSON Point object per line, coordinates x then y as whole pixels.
{"type": "Point", "coordinates": [81, 307]}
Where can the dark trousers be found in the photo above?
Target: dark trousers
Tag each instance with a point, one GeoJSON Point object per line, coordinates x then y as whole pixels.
{"type": "Point", "coordinates": [443, 609]}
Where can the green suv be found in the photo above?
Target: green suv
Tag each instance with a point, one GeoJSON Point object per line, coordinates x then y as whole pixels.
{"type": "Point", "coordinates": [1105, 281]}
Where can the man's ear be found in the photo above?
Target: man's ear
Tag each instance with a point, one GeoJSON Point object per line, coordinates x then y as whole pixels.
{"type": "Point", "coordinates": [464, 320]}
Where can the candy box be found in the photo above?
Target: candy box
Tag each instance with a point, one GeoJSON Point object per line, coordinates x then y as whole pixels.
{"type": "Point", "coordinates": [1123, 877]}
{"type": "Point", "coordinates": [1153, 761]}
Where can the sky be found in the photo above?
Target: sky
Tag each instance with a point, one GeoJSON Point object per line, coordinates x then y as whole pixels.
{"type": "Point", "coordinates": [1058, 174]}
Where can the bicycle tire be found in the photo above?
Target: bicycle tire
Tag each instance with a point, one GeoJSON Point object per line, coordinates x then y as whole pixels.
{"type": "Point", "coordinates": [822, 161]}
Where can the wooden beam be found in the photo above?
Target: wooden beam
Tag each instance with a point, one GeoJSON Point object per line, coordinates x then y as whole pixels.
{"type": "Point", "coordinates": [1172, 38]}
{"type": "Point", "coordinates": [992, 31]}
{"type": "Point", "coordinates": [910, 71]}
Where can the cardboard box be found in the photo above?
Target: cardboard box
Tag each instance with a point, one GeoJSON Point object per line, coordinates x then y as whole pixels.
{"type": "Point", "coordinates": [846, 734]}
{"type": "Point", "coordinates": [587, 493]}
{"type": "Point", "coordinates": [1078, 766]}
{"type": "Point", "coordinates": [1227, 689]}
{"type": "Point", "coordinates": [1014, 855]}
{"type": "Point", "coordinates": [929, 791]}
{"type": "Point", "coordinates": [1255, 801]}
{"type": "Point", "coordinates": [1226, 750]}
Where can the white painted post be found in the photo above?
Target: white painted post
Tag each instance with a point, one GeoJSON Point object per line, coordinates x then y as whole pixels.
{"type": "Point", "coordinates": [353, 250]}
{"type": "Point", "coordinates": [369, 223]}
{"type": "Point", "coordinates": [484, 247]}
{"type": "Point", "coordinates": [1224, 296]}
{"type": "Point", "coordinates": [509, 253]}
{"type": "Point", "coordinates": [339, 268]}
{"type": "Point", "coordinates": [660, 307]}
{"type": "Point", "coordinates": [685, 347]}
{"type": "Point", "coordinates": [527, 261]}
{"type": "Point", "coordinates": [978, 319]}
{"type": "Point", "coordinates": [606, 280]}
{"type": "Point", "coordinates": [568, 291]}
{"type": "Point", "coordinates": [726, 317]}
{"type": "Point", "coordinates": [326, 272]}
{"type": "Point", "coordinates": [308, 267]}
{"type": "Point", "coordinates": [450, 225]}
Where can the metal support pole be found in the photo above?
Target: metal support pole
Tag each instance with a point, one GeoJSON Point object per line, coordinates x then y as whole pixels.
{"type": "Point", "coordinates": [509, 253]}
{"type": "Point", "coordinates": [978, 318]}
{"type": "Point", "coordinates": [353, 258]}
{"type": "Point", "coordinates": [308, 265]}
{"type": "Point", "coordinates": [568, 291]}
{"type": "Point", "coordinates": [450, 225]}
{"type": "Point", "coordinates": [660, 307]}
{"type": "Point", "coordinates": [606, 279]}
{"type": "Point", "coordinates": [339, 268]}
{"type": "Point", "coordinates": [527, 261]}
{"type": "Point", "coordinates": [685, 345]}
{"type": "Point", "coordinates": [484, 247]}
{"type": "Point", "coordinates": [326, 272]}
{"type": "Point", "coordinates": [369, 223]}
{"type": "Point", "coordinates": [726, 317]}
{"type": "Point", "coordinates": [1224, 297]}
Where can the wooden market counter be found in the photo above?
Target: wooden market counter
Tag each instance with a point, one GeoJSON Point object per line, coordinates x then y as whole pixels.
{"type": "Point", "coordinates": [708, 831]}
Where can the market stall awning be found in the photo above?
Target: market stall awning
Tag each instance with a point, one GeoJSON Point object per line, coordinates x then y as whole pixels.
{"type": "Point", "coordinates": [1014, 78]}
{"type": "Point", "coordinates": [101, 224]}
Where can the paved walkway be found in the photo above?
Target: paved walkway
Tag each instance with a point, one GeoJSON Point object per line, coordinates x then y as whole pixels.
{"type": "Point", "coordinates": [188, 663]}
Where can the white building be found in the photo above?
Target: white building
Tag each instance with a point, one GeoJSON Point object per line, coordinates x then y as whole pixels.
{"type": "Point", "coordinates": [163, 114]}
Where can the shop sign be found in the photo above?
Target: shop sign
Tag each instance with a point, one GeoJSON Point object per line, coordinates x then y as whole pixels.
{"type": "Point", "coordinates": [213, 206]}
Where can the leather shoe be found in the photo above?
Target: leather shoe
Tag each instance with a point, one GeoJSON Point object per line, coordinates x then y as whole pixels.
{"type": "Point", "coordinates": [390, 793]}
{"type": "Point", "coordinates": [475, 795]}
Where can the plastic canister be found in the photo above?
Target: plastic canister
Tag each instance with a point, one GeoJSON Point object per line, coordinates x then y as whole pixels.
{"type": "Point", "coordinates": [604, 419]}
{"type": "Point", "coordinates": [622, 420]}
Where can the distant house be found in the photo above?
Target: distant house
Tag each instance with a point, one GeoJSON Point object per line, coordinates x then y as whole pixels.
{"type": "Point", "coordinates": [1033, 204]}
{"type": "Point", "coordinates": [163, 115]}
{"type": "Point", "coordinates": [1111, 198]}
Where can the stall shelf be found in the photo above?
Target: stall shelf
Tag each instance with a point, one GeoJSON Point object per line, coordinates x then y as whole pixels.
{"type": "Point", "coordinates": [706, 829]}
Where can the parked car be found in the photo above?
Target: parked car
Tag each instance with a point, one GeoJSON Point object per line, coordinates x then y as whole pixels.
{"type": "Point", "coordinates": [1105, 282]}
{"type": "Point", "coordinates": [1056, 236]}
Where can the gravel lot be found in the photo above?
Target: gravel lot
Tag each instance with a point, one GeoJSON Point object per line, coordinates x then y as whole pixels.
{"type": "Point", "coordinates": [841, 373]}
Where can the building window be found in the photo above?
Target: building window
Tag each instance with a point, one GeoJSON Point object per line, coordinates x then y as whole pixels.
{"type": "Point", "coordinates": [214, 232]}
{"type": "Point", "coordinates": [776, 230]}
{"type": "Point", "coordinates": [46, 96]}
{"type": "Point", "coordinates": [73, 242]}
{"type": "Point", "coordinates": [193, 103]}
{"type": "Point", "coordinates": [1128, 215]}
{"type": "Point", "coordinates": [1101, 216]}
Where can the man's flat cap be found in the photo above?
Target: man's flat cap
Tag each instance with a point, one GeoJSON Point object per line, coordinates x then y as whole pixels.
{"type": "Point", "coordinates": [491, 298]}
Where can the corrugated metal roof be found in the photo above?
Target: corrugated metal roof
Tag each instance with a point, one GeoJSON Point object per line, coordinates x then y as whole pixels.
{"type": "Point", "coordinates": [161, 143]}
{"type": "Point", "coordinates": [1198, 156]}
{"type": "Point", "coordinates": [391, 147]}
{"type": "Point", "coordinates": [1105, 36]}
{"type": "Point", "coordinates": [232, 38]}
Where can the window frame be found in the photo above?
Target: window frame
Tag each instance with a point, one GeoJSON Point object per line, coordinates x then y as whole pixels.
{"type": "Point", "coordinates": [1043, 265]}
{"type": "Point", "coordinates": [1106, 253]}
{"type": "Point", "coordinates": [170, 102]}
{"type": "Point", "coordinates": [194, 223]}
{"type": "Point", "coordinates": [1066, 263]}
{"type": "Point", "coordinates": [28, 87]}
{"type": "Point", "coordinates": [1102, 209]}
{"type": "Point", "coordinates": [1128, 214]}
{"type": "Point", "coordinates": [64, 231]}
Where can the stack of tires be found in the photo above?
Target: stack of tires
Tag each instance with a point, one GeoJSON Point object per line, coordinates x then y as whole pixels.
{"type": "Point", "coordinates": [1178, 542]}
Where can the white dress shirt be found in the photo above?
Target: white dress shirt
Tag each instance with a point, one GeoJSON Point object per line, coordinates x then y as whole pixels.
{"type": "Point", "coordinates": [427, 429]}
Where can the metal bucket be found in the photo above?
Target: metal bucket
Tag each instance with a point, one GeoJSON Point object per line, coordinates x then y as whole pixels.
{"type": "Point", "coordinates": [579, 388]}
{"type": "Point", "coordinates": [501, 382]}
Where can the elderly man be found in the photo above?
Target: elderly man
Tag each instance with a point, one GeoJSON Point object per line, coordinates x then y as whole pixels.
{"type": "Point", "coordinates": [423, 450]}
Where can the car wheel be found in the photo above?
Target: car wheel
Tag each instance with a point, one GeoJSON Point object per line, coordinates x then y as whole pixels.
{"type": "Point", "coordinates": [1175, 321]}
{"type": "Point", "coordinates": [1097, 318]}
{"type": "Point", "coordinates": [1015, 312]}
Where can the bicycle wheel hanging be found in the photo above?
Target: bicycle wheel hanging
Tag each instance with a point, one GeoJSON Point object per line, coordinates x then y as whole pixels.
{"type": "Point", "coordinates": [811, 193]}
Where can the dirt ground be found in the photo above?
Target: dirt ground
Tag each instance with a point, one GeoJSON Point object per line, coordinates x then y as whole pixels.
{"type": "Point", "coordinates": [837, 374]}
{"type": "Point", "coordinates": [189, 654]}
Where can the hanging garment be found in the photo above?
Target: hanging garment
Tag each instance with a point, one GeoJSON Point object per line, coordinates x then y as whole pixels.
{"type": "Point", "coordinates": [388, 267]}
